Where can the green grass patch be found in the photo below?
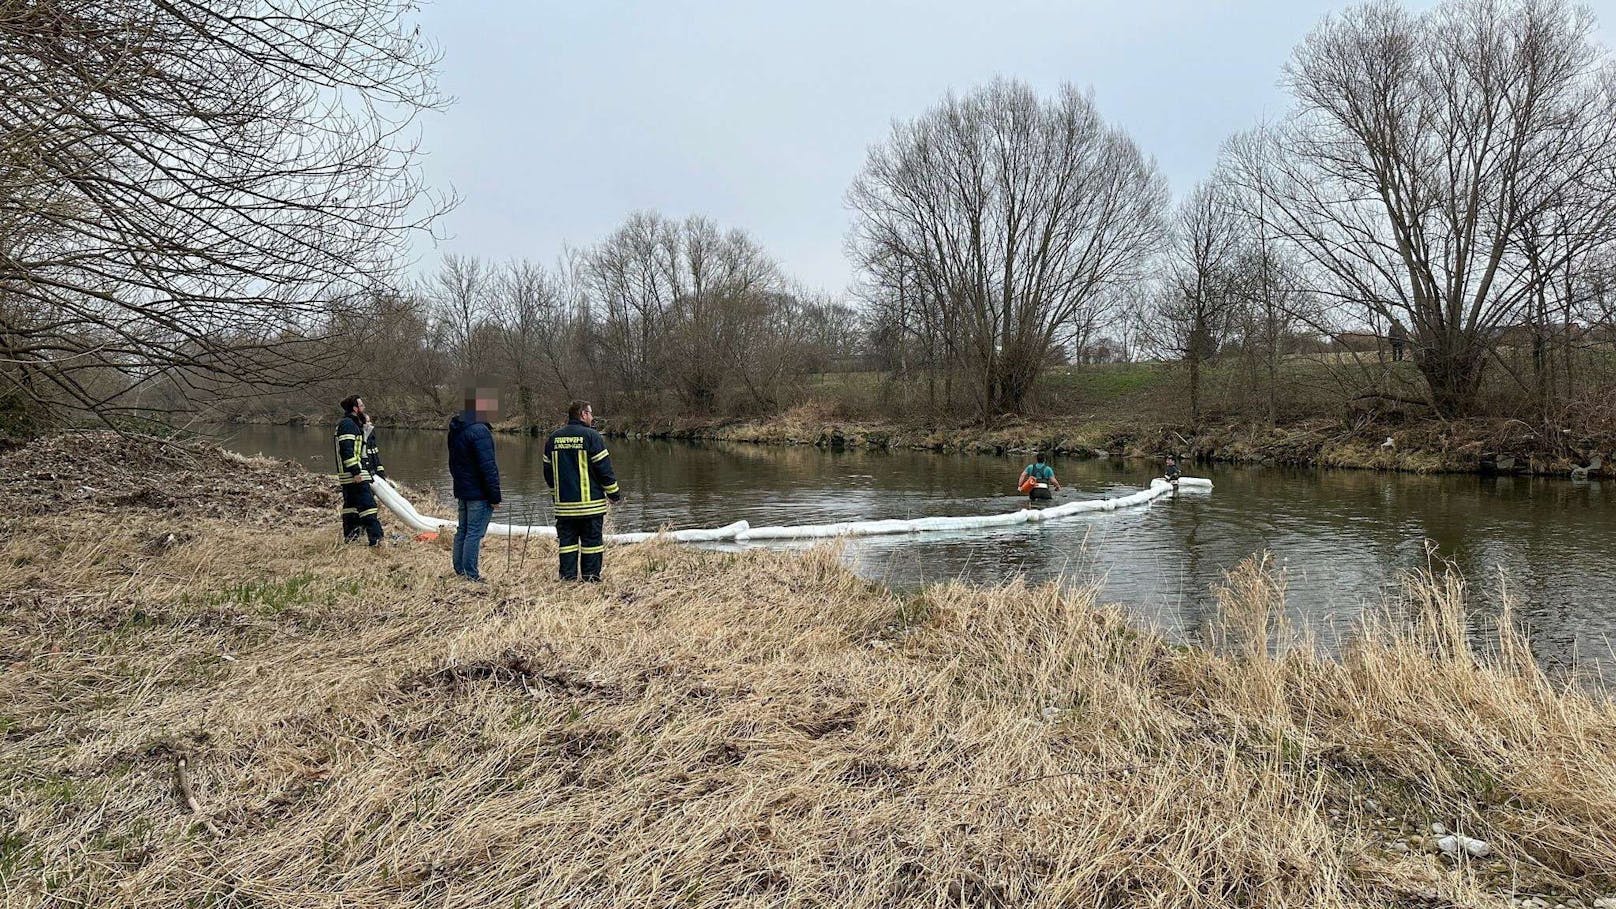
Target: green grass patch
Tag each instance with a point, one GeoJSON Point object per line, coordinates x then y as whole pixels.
{"type": "Point", "coordinates": [272, 597]}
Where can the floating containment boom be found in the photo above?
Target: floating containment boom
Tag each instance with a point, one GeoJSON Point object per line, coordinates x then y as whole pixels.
{"type": "Point", "coordinates": [742, 532]}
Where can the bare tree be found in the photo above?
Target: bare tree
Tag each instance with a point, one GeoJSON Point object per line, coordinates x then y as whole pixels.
{"type": "Point", "coordinates": [188, 189]}
{"type": "Point", "coordinates": [910, 328]}
{"type": "Point", "coordinates": [1272, 311]}
{"type": "Point", "coordinates": [1421, 148]}
{"type": "Point", "coordinates": [630, 299]}
{"type": "Point", "coordinates": [675, 301]}
{"type": "Point", "coordinates": [1199, 298]}
{"type": "Point", "coordinates": [1017, 216]}
{"type": "Point", "coordinates": [784, 338]}
{"type": "Point", "coordinates": [534, 308]}
{"type": "Point", "coordinates": [461, 295]}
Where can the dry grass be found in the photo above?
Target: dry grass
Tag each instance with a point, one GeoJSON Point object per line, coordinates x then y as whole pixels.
{"type": "Point", "coordinates": [742, 730]}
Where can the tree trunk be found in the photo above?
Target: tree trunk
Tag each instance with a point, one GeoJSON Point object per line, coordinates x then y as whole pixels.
{"type": "Point", "coordinates": [1194, 360]}
{"type": "Point", "coordinates": [1453, 372]}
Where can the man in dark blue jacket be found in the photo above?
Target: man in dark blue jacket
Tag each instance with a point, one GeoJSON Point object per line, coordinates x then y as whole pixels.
{"type": "Point", "coordinates": [578, 470]}
{"type": "Point", "coordinates": [476, 477]}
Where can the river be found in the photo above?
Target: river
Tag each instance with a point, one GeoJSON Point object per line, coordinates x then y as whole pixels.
{"type": "Point", "coordinates": [1345, 538]}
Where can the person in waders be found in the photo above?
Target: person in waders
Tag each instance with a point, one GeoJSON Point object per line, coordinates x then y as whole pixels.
{"type": "Point", "coordinates": [1038, 480]}
{"type": "Point", "coordinates": [1171, 471]}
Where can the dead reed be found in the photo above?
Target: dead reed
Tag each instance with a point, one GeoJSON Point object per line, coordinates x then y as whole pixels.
{"type": "Point", "coordinates": [205, 714]}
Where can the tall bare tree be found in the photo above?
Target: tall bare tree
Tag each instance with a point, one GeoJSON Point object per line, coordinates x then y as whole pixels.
{"type": "Point", "coordinates": [1421, 147]}
{"type": "Point", "coordinates": [1017, 215]}
{"type": "Point", "coordinates": [188, 188]}
{"type": "Point", "coordinates": [461, 293]}
{"type": "Point", "coordinates": [535, 309]}
{"type": "Point", "coordinates": [675, 299]}
{"type": "Point", "coordinates": [1199, 298]}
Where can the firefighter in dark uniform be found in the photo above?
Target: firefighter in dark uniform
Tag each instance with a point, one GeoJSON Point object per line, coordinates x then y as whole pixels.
{"type": "Point", "coordinates": [359, 458]}
{"type": "Point", "coordinates": [578, 470]}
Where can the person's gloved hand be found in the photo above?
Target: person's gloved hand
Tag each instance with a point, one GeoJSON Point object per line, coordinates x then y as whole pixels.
{"type": "Point", "coordinates": [615, 497]}
{"type": "Point", "coordinates": [381, 473]}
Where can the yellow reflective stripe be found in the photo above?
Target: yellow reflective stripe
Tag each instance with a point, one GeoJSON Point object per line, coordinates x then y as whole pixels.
{"type": "Point", "coordinates": [368, 512]}
{"type": "Point", "coordinates": [611, 489]}
{"type": "Point", "coordinates": [573, 548]}
{"type": "Point", "coordinates": [591, 550]}
{"type": "Point", "coordinates": [350, 511]}
{"type": "Point", "coordinates": [583, 477]}
{"type": "Point", "coordinates": [581, 511]}
{"type": "Point", "coordinates": [348, 436]}
{"type": "Point", "coordinates": [545, 459]}
{"type": "Point", "coordinates": [571, 507]}
{"type": "Point", "coordinates": [601, 455]}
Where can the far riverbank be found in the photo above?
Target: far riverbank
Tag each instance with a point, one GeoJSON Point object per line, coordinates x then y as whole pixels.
{"type": "Point", "coordinates": [1480, 446]}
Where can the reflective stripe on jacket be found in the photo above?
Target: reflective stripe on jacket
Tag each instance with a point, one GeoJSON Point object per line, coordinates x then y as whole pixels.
{"type": "Point", "coordinates": [578, 470]}
{"type": "Point", "coordinates": [350, 452]}
{"type": "Point", "coordinates": [371, 459]}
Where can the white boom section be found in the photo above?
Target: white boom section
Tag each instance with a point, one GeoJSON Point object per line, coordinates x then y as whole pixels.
{"type": "Point", "coordinates": [742, 532]}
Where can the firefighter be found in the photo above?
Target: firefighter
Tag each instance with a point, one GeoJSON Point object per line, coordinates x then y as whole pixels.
{"type": "Point", "coordinates": [358, 460]}
{"type": "Point", "coordinates": [578, 470]}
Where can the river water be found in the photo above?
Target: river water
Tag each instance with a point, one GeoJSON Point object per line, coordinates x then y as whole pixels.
{"type": "Point", "coordinates": [1345, 538]}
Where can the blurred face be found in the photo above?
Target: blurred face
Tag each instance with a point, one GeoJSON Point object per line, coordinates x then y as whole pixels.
{"type": "Point", "coordinates": [587, 415]}
{"type": "Point", "coordinates": [484, 404]}
{"type": "Point", "coordinates": [359, 406]}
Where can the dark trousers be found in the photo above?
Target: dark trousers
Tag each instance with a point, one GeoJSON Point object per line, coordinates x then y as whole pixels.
{"type": "Point", "coordinates": [582, 549]}
{"type": "Point", "coordinates": [359, 513]}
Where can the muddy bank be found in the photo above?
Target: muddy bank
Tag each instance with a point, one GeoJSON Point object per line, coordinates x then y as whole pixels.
{"type": "Point", "coordinates": [1483, 445]}
{"type": "Point", "coordinates": [104, 472]}
{"type": "Point", "coordinates": [1477, 446]}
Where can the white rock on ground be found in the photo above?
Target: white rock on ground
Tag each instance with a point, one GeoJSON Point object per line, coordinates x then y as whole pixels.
{"type": "Point", "coordinates": [1454, 843]}
{"type": "Point", "coordinates": [1439, 829]}
{"type": "Point", "coordinates": [1605, 902]}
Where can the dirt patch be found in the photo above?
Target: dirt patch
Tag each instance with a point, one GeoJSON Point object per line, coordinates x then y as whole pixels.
{"type": "Point", "coordinates": [103, 471]}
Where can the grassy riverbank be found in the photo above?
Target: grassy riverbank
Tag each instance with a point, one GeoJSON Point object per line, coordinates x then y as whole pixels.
{"type": "Point", "coordinates": [209, 702]}
{"type": "Point", "coordinates": [1134, 410]}
{"type": "Point", "coordinates": [1472, 446]}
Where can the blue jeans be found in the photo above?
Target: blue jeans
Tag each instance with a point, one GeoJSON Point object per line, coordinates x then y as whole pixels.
{"type": "Point", "coordinates": [472, 523]}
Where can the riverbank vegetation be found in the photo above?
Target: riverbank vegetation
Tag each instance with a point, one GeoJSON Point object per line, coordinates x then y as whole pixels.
{"type": "Point", "coordinates": [203, 706]}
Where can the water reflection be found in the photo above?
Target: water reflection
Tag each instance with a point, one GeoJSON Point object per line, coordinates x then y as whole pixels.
{"type": "Point", "coordinates": [1345, 537]}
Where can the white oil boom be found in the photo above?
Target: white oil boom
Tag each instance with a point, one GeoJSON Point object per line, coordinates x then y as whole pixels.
{"type": "Point", "coordinates": [742, 532]}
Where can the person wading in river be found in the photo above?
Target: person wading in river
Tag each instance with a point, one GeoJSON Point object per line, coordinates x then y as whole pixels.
{"type": "Point", "coordinates": [578, 470]}
{"type": "Point", "coordinates": [1035, 473]}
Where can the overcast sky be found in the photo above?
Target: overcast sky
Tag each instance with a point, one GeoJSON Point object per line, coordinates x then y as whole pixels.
{"type": "Point", "coordinates": [569, 116]}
